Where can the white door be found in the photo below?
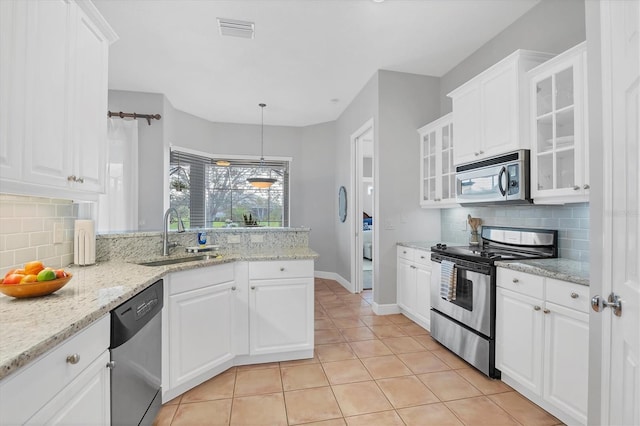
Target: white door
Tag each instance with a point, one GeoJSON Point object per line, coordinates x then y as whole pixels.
{"type": "Point", "coordinates": [620, 26]}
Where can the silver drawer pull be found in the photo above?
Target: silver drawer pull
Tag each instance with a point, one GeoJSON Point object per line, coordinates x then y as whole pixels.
{"type": "Point", "coordinates": [515, 280]}
{"type": "Point", "coordinates": [536, 308]}
{"type": "Point", "coordinates": [282, 269]}
{"type": "Point", "coordinates": [73, 359]}
{"type": "Point", "coordinates": [253, 287]}
{"type": "Point", "coordinates": [576, 187]}
{"type": "Point", "coordinates": [111, 365]}
{"type": "Point", "coordinates": [546, 311]}
{"type": "Point", "coordinates": [586, 186]}
{"type": "Point", "coordinates": [233, 288]}
{"type": "Point", "coordinates": [574, 295]}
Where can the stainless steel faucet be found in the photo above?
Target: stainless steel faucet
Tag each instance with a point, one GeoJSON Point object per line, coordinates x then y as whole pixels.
{"type": "Point", "coordinates": [165, 235]}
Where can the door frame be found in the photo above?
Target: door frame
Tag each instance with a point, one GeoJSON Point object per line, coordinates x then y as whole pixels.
{"type": "Point", "coordinates": [356, 212]}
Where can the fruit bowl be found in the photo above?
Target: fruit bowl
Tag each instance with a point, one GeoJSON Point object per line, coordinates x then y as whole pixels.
{"type": "Point", "coordinates": [35, 289]}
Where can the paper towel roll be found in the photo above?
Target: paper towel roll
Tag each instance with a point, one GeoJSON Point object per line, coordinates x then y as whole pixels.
{"type": "Point", "coordinates": [84, 242]}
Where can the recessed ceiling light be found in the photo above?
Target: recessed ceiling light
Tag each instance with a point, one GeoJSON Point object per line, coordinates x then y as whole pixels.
{"type": "Point", "coordinates": [236, 28]}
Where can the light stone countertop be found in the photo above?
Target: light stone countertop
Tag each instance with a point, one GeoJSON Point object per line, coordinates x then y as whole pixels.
{"type": "Point", "coordinates": [424, 245]}
{"type": "Point", "coordinates": [560, 269]}
{"type": "Point", "coordinates": [31, 327]}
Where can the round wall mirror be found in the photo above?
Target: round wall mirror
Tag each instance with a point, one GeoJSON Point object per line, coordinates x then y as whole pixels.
{"type": "Point", "coordinates": [342, 203]}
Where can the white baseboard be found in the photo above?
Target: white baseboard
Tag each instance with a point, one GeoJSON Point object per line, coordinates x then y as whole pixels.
{"type": "Point", "coordinates": [336, 277]}
{"type": "Point", "coordinates": [385, 309]}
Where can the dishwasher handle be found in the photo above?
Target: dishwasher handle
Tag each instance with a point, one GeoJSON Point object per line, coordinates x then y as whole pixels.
{"type": "Point", "coordinates": [131, 316]}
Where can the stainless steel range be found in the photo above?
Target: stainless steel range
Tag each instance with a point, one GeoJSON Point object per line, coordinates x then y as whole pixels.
{"type": "Point", "coordinates": [463, 289]}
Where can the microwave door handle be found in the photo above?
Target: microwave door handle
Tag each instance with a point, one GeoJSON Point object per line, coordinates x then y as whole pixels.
{"type": "Point", "coordinates": [503, 172]}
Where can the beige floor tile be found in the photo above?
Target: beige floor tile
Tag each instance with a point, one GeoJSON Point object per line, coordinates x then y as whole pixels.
{"type": "Point", "coordinates": [448, 385]}
{"type": "Point", "coordinates": [324, 324]}
{"type": "Point", "coordinates": [334, 352]}
{"type": "Point", "coordinates": [406, 391]}
{"type": "Point", "coordinates": [337, 303]}
{"type": "Point", "coordinates": [432, 414]}
{"type": "Point", "coordinates": [219, 387]}
{"type": "Point", "coordinates": [344, 312]}
{"type": "Point", "coordinates": [357, 334]}
{"type": "Point", "coordinates": [323, 337]}
{"type": "Point", "coordinates": [375, 320]}
{"type": "Point", "coordinates": [320, 314]}
{"type": "Point", "coordinates": [480, 411]}
{"type": "Point", "coordinates": [258, 366]}
{"type": "Point", "coordinates": [389, 330]}
{"type": "Point", "coordinates": [348, 322]}
{"type": "Point", "coordinates": [349, 371]}
{"type": "Point", "coordinates": [386, 366]}
{"type": "Point", "coordinates": [399, 319]}
{"type": "Point", "coordinates": [259, 410]}
{"type": "Point", "coordinates": [523, 410]}
{"type": "Point", "coordinates": [303, 377]}
{"type": "Point", "coordinates": [255, 382]}
{"type": "Point", "coordinates": [174, 401]}
{"type": "Point", "coordinates": [365, 310]}
{"type": "Point", "coordinates": [207, 412]}
{"type": "Point", "coordinates": [423, 362]}
{"type": "Point", "coordinates": [360, 398]}
{"type": "Point", "coordinates": [428, 342]}
{"type": "Point", "coordinates": [483, 383]}
{"type": "Point", "coordinates": [311, 405]}
{"type": "Point", "coordinates": [165, 415]}
{"type": "Point", "coordinates": [413, 329]}
{"type": "Point", "coordinates": [451, 359]}
{"type": "Point", "coordinates": [401, 345]}
{"type": "Point", "coordinates": [369, 348]}
{"type": "Point", "coordinates": [383, 418]}
{"type": "Point", "coordinates": [332, 422]}
{"type": "Point", "coordinates": [304, 361]}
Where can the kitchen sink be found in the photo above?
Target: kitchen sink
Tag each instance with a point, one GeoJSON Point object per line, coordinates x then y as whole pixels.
{"type": "Point", "coordinates": [164, 262]}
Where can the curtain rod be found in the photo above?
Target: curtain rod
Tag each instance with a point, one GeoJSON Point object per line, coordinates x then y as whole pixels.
{"type": "Point", "coordinates": [134, 115]}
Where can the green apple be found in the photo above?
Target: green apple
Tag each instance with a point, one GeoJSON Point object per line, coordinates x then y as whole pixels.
{"type": "Point", "coordinates": [46, 275]}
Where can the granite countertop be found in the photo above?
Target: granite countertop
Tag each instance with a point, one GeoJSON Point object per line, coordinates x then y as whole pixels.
{"type": "Point", "coordinates": [424, 245]}
{"type": "Point", "coordinates": [560, 269]}
{"type": "Point", "coordinates": [31, 327]}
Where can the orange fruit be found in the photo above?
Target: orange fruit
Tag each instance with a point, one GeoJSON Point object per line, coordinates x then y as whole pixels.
{"type": "Point", "coordinates": [29, 279]}
{"type": "Point", "coordinates": [33, 268]}
{"type": "Point", "coordinates": [13, 279]}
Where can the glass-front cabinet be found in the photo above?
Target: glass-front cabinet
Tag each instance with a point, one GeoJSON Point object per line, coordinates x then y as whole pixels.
{"type": "Point", "coordinates": [437, 173]}
{"type": "Point", "coordinates": [559, 139]}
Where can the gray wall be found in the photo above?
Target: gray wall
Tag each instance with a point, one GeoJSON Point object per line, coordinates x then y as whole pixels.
{"type": "Point", "coordinates": [552, 26]}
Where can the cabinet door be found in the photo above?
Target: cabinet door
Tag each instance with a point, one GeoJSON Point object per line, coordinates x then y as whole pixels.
{"type": "Point", "coordinates": [84, 401]}
{"type": "Point", "coordinates": [499, 110]}
{"type": "Point", "coordinates": [428, 168]}
{"type": "Point", "coordinates": [423, 293]}
{"type": "Point", "coordinates": [280, 315]}
{"type": "Point", "coordinates": [89, 105]}
{"type": "Point", "coordinates": [466, 120]}
{"type": "Point", "coordinates": [519, 339]}
{"type": "Point", "coordinates": [406, 291]}
{"type": "Point", "coordinates": [566, 377]}
{"type": "Point", "coordinates": [200, 331]}
{"type": "Point", "coordinates": [447, 172]}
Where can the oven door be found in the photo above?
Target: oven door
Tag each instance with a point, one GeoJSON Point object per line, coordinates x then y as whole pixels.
{"type": "Point", "coordinates": [473, 304]}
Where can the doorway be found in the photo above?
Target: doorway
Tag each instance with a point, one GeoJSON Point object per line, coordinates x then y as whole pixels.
{"type": "Point", "coordinates": [363, 220]}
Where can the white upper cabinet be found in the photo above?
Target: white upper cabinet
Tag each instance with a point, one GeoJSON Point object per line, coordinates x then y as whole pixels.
{"type": "Point", "coordinates": [437, 174]}
{"type": "Point", "coordinates": [559, 151]}
{"type": "Point", "coordinates": [490, 110]}
{"type": "Point", "coordinates": [55, 62]}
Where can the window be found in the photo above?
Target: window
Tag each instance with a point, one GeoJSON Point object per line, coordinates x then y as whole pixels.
{"type": "Point", "coordinates": [210, 196]}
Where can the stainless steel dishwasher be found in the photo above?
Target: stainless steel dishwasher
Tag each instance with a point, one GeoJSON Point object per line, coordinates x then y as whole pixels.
{"type": "Point", "coordinates": [136, 358]}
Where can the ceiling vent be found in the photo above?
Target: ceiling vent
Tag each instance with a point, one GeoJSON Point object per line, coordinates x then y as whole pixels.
{"type": "Point", "coordinates": [235, 28]}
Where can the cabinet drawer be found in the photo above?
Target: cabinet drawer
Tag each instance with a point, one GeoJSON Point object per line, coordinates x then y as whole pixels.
{"type": "Point", "coordinates": [193, 279]}
{"type": "Point", "coordinates": [531, 285]}
{"type": "Point", "coordinates": [571, 295]}
{"type": "Point", "coordinates": [406, 253]}
{"type": "Point", "coordinates": [280, 269]}
{"type": "Point", "coordinates": [26, 391]}
{"type": "Point", "coordinates": [422, 258]}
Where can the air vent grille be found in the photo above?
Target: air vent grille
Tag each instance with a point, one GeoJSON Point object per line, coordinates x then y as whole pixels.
{"type": "Point", "coordinates": [236, 28]}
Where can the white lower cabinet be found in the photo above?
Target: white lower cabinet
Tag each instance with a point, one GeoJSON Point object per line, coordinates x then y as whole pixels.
{"type": "Point", "coordinates": [413, 284]}
{"type": "Point", "coordinates": [55, 390]}
{"type": "Point", "coordinates": [542, 341]}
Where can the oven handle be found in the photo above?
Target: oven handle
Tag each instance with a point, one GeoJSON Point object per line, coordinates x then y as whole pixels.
{"type": "Point", "coordinates": [503, 172]}
{"type": "Point", "coordinates": [458, 265]}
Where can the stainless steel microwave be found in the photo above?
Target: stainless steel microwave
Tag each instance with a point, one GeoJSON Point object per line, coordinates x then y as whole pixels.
{"type": "Point", "coordinates": [497, 180]}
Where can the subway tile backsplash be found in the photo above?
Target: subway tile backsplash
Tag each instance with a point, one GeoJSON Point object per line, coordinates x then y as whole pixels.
{"type": "Point", "coordinates": [28, 227]}
{"type": "Point", "coordinates": [571, 221]}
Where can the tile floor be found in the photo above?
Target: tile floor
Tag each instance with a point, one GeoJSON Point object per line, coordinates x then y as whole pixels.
{"type": "Point", "coordinates": [367, 370]}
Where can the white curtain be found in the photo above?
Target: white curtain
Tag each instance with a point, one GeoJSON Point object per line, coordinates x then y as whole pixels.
{"type": "Point", "coordinates": [118, 207]}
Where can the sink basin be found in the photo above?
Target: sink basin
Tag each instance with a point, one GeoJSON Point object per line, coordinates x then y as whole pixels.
{"type": "Point", "coordinates": [164, 262]}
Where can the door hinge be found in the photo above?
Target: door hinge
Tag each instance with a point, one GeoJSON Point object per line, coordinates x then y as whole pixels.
{"type": "Point", "coordinates": [613, 301]}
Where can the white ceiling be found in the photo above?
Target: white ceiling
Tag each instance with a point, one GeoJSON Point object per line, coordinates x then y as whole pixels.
{"type": "Point", "coordinates": [305, 54]}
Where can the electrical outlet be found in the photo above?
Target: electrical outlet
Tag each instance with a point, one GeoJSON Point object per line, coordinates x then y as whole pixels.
{"type": "Point", "coordinates": [257, 238]}
{"type": "Point", "coordinates": [58, 233]}
{"type": "Point", "coordinates": [233, 239]}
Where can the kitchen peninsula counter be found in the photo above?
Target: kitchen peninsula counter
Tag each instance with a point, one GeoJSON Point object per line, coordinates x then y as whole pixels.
{"type": "Point", "coordinates": [31, 327]}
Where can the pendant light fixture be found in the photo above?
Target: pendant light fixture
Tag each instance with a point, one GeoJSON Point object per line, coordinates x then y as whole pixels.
{"type": "Point", "coordinates": [260, 181]}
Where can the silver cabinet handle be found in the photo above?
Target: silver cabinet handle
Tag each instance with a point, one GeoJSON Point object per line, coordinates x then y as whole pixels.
{"type": "Point", "coordinates": [586, 186]}
{"type": "Point", "coordinates": [233, 288]}
{"type": "Point", "coordinates": [536, 308]}
{"type": "Point", "coordinates": [412, 267]}
{"type": "Point", "coordinates": [282, 269]}
{"type": "Point", "coordinates": [481, 152]}
{"type": "Point", "coordinates": [421, 257]}
{"type": "Point", "coordinates": [515, 280]}
{"type": "Point", "coordinates": [71, 178]}
{"type": "Point", "coordinates": [253, 287]}
{"type": "Point", "coordinates": [73, 359]}
{"type": "Point", "coordinates": [574, 295]}
{"type": "Point", "coordinates": [546, 311]}
{"type": "Point", "coordinates": [80, 180]}
{"type": "Point", "coordinates": [576, 187]}
{"type": "Point", "coordinates": [111, 365]}
{"type": "Point", "coordinates": [476, 153]}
